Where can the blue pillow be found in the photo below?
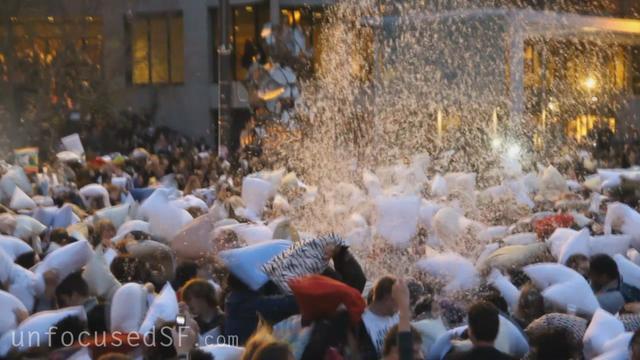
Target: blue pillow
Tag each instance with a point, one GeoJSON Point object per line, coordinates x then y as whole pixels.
{"type": "Point", "coordinates": [246, 263]}
{"type": "Point", "coordinates": [64, 217]}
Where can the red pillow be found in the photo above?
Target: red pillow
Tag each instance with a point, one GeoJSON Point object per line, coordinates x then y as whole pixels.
{"type": "Point", "coordinates": [319, 297]}
{"type": "Point", "coordinates": [546, 226]}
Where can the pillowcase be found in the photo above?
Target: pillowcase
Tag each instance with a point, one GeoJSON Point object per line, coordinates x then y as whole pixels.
{"type": "Point", "coordinates": [245, 263]}
{"type": "Point", "coordinates": [577, 244]}
{"type": "Point", "coordinates": [166, 222]}
{"type": "Point", "coordinates": [544, 275]}
{"type": "Point", "coordinates": [510, 339]}
{"type": "Point", "coordinates": [129, 227]}
{"type": "Point", "coordinates": [629, 271]}
{"type": "Point", "coordinates": [164, 307]}
{"type": "Point", "coordinates": [319, 297]}
{"type": "Point", "coordinates": [13, 246]}
{"type": "Point", "coordinates": [557, 240]}
{"type": "Point", "coordinates": [94, 191]}
{"type": "Point", "coordinates": [27, 227]}
{"type": "Point", "coordinates": [509, 292]}
{"type": "Point", "coordinates": [65, 217]}
{"type": "Point", "coordinates": [397, 219]}
{"type": "Point", "coordinates": [34, 329]}
{"type": "Point", "coordinates": [7, 223]}
{"type": "Point", "coordinates": [516, 256]}
{"type": "Point", "coordinates": [190, 201]}
{"type": "Point", "coordinates": [116, 214]}
{"type": "Point", "coordinates": [9, 304]}
{"type": "Point", "coordinates": [67, 259]}
{"type": "Point", "coordinates": [255, 194]}
{"type": "Point", "coordinates": [21, 201]}
{"type": "Point", "coordinates": [13, 178]}
{"type": "Point", "coordinates": [45, 214]}
{"type": "Point", "coordinates": [128, 308]}
{"type": "Point", "coordinates": [576, 293]}
{"type": "Point", "coordinates": [623, 218]}
{"type": "Point", "coordinates": [457, 270]}
{"type": "Point", "coordinates": [98, 276]}
{"type": "Point", "coordinates": [25, 285]}
{"type": "Point", "coordinates": [194, 240]}
{"type": "Point", "coordinates": [603, 328]}
{"type": "Point", "coordinates": [305, 258]}
{"type": "Point", "coordinates": [521, 239]}
{"type": "Point", "coordinates": [252, 233]}
{"type": "Point", "coordinates": [609, 244]}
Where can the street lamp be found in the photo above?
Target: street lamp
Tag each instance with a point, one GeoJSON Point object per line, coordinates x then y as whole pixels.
{"type": "Point", "coordinates": [590, 83]}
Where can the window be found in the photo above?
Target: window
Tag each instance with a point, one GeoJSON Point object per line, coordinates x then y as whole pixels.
{"type": "Point", "coordinates": [247, 24]}
{"type": "Point", "coordinates": [310, 21]}
{"type": "Point", "coordinates": [157, 49]}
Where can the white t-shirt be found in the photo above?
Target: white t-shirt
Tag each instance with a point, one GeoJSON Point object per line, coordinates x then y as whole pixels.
{"type": "Point", "coordinates": [377, 327]}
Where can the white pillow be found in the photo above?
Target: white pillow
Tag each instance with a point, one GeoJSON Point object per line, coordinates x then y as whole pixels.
{"type": "Point", "coordinates": [246, 263]}
{"type": "Point", "coordinates": [620, 342]}
{"type": "Point", "coordinates": [27, 227]}
{"type": "Point", "coordinates": [609, 244]}
{"type": "Point", "coordinates": [223, 352]}
{"type": "Point", "coordinates": [544, 275]}
{"type": "Point", "coordinates": [64, 217]}
{"type": "Point", "coordinates": [255, 194]}
{"type": "Point", "coordinates": [67, 259]}
{"type": "Point", "coordinates": [8, 305]}
{"type": "Point", "coordinates": [511, 339]}
{"type": "Point", "coordinates": [128, 308]}
{"type": "Point", "coordinates": [629, 271]}
{"type": "Point", "coordinates": [25, 285]}
{"type": "Point", "coordinates": [457, 270]}
{"type": "Point", "coordinates": [45, 214]}
{"type": "Point", "coordinates": [164, 307]}
{"type": "Point", "coordinates": [68, 156]}
{"type": "Point", "coordinates": [13, 246]}
{"type": "Point", "coordinates": [190, 201]}
{"type": "Point", "coordinates": [439, 186]}
{"type": "Point", "coordinates": [194, 240]}
{"type": "Point", "coordinates": [101, 281]}
{"type": "Point", "coordinates": [12, 178]}
{"type": "Point", "coordinates": [116, 214]}
{"type": "Point", "coordinates": [603, 328]}
{"type": "Point", "coordinates": [34, 330]}
{"type": "Point", "coordinates": [557, 240]}
{"type": "Point", "coordinates": [397, 219]}
{"type": "Point", "coordinates": [521, 239]}
{"type": "Point", "coordinates": [167, 222]}
{"type": "Point", "coordinates": [430, 330]}
{"type": "Point", "coordinates": [493, 233]}
{"type": "Point", "coordinates": [623, 218]}
{"type": "Point", "coordinates": [129, 227]}
{"type": "Point", "coordinates": [577, 244]}
{"type": "Point", "coordinates": [6, 263]}
{"type": "Point", "coordinates": [94, 191]}
{"type": "Point", "coordinates": [575, 293]}
{"type": "Point", "coordinates": [252, 233]}
{"type": "Point", "coordinates": [21, 201]}
{"type": "Point", "coordinates": [509, 292]}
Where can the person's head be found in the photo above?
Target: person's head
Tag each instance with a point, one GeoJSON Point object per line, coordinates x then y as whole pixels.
{"type": "Point", "coordinates": [115, 356]}
{"type": "Point", "coordinates": [200, 296]}
{"type": "Point", "coordinates": [262, 345]}
{"type": "Point", "coordinates": [60, 332]}
{"type": "Point", "coordinates": [27, 260]}
{"type": "Point", "coordinates": [634, 346]}
{"type": "Point", "coordinates": [59, 236]}
{"type": "Point", "coordinates": [579, 263]}
{"type": "Point", "coordinates": [105, 230]}
{"type": "Point", "coordinates": [484, 323]}
{"type": "Point", "coordinates": [185, 271]}
{"type": "Point", "coordinates": [553, 343]}
{"type": "Point", "coordinates": [530, 303]}
{"type": "Point", "coordinates": [127, 268]}
{"type": "Point", "coordinates": [382, 299]}
{"type": "Point", "coordinates": [390, 349]}
{"type": "Point", "coordinates": [602, 271]}
{"type": "Point", "coordinates": [72, 291]}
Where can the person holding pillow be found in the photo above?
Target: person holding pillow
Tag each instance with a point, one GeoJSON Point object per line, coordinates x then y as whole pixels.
{"type": "Point", "coordinates": [484, 323]}
{"type": "Point", "coordinates": [201, 298]}
{"type": "Point", "coordinates": [378, 318]}
{"type": "Point", "coordinates": [403, 342]}
{"type": "Point", "coordinates": [74, 291]}
{"type": "Point", "coordinates": [610, 289]}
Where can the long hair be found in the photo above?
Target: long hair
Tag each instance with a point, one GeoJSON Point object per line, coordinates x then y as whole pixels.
{"type": "Point", "coordinates": [262, 345]}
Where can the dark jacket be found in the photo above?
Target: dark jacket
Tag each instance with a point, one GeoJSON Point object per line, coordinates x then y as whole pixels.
{"type": "Point", "coordinates": [242, 309]}
{"type": "Point", "coordinates": [349, 269]}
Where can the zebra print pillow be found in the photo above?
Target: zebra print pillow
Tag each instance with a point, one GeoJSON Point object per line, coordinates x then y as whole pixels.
{"type": "Point", "coordinates": [304, 258]}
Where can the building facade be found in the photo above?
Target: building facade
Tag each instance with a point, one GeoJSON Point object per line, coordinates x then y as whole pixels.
{"type": "Point", "coordinates": [574, 63]}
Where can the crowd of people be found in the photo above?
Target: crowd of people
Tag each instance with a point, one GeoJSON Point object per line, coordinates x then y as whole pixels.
{"type": "Point", "coordinates": [169, 252]}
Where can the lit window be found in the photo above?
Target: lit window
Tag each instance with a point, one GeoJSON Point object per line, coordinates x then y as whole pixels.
{"type": "Point", "coordinates": [247, 24]}
{"type": "Point", "coordinates": [157, 49]}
